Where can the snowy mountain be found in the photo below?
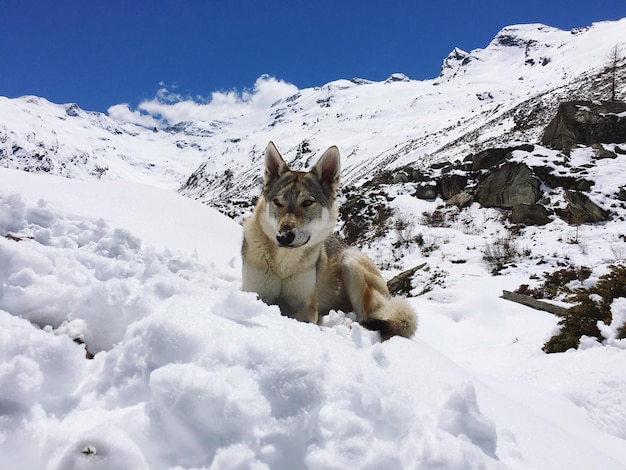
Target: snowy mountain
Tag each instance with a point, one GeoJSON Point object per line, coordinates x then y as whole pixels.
{"type": "Point", "coordinates": [121, 262]}
{"type": "Point", "coordinates": [41, 137]}
{"type": "Point", "coordinates": [501, 95]}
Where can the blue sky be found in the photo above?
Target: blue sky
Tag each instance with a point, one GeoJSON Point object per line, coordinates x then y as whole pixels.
{"type": "Point", "coordinates": [100, 53]}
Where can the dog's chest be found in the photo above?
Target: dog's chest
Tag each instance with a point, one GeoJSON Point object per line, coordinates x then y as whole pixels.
{"type": "Point", "coordinates": [285, 262]}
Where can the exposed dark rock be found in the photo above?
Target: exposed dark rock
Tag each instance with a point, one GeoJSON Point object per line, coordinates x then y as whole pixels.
{"type": "Point", "coordinates": [586, 122]}
{"type": "Point", "coordinates": [397, 77]}
{"type": "Point", "coordinates": [452, 184]}
{"type": "Point", "coordinates": [400, 177]}
{"type": "Point", "coordinates": [464, 166]}
{"type": "Point", "coordinates": [460, 200]}
{"type": "Point", "coordinates": [401, 284]}
{"type": "Point", "coordinates": [600, 152]}
{"type": "Point", "coordinates": [621, 195]}
{"type": "Point", "coordinates": [405, 174]}
{"type": "Point", "coordinates": [580, 209]}
{"type": "Point", "coordinates": [489, 158]}
{"type": "Point", "coordinates": [426, 191]}
{"type": "Point", "coordinates": [72, 110]}
{"type": "Point", "coordinates": [534, 303]}
{"type": "Point", "coordinates": [510, 185]}
{"type": "Point", "coordinates": [439, 165]}
{"type": "Point", "coordinates": [530, 214]}
{"type": "Point", "coordinates": [455, 59]}
{"type": "Point", "coordinates": [545, 174]}
{"type": "Point", "coordinates": [509, 40]}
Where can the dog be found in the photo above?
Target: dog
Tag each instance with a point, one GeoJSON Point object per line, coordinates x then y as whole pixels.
{"type": "Point", "coordinates": [292, 259]}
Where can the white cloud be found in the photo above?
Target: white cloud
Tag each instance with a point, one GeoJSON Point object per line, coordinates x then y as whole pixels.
{"type": "Point", "coordinates": [169, 108]}
{"type": "Point", "coordinates": [122, 112]}
{"type": "Point", "coordinates": [268, 90]}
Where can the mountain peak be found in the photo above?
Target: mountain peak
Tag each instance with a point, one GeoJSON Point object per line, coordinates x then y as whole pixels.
{"type": "Point", "coordinates": [397, 77]}
{"type": "Point", "coordinates": [452, 62]}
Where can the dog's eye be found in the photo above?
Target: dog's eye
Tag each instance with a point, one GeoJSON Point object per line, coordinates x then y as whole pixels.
{"type": "Point", "coordinates": [307, 202]}
{"type": "Point", "coordinates": [276, 202]}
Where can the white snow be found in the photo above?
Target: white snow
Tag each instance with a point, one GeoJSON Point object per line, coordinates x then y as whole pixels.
{"type": "Point", "coordinates": [190, 372]}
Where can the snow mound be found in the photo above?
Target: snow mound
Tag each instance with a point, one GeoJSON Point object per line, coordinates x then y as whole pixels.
{"type": "Point", "coordinates": [82, 276]}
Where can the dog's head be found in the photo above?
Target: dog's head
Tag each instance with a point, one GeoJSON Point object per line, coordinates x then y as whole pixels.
{"type": "Point", "coordinates": [300, 206]}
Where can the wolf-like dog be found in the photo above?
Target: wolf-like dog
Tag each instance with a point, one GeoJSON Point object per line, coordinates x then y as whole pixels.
{"type": "Point", "coordinates": [291, 258]}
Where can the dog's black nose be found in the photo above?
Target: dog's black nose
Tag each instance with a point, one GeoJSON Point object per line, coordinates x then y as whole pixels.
{"type": "Point", "coordinates": [285, 238]}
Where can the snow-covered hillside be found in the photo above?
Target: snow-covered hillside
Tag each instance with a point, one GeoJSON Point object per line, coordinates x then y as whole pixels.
{"type": "Point", "coordinates": [120, 261]}
{"type": "Point", "coordinates": [189, 372]}
{"type": "Point", "coordinates": [41, 137]}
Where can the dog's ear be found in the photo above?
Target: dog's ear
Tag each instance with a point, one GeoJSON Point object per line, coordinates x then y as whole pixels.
{"type": "Point", "coordinates": [275, 166]}
{"type": "Point", "coordinates": [328, 168]}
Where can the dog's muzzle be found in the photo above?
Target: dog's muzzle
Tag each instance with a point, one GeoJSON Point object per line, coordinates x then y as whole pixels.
{"type": "Point", "coordinates": [285, 238]}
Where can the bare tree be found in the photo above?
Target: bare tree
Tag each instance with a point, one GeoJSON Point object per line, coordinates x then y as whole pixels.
{"type": "Point", "coordinates": [614, 61]}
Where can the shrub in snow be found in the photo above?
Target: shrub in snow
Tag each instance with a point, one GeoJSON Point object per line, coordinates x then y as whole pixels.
{"type": "Point", "coordinates": [363, 217]}
{"type": "Point", "coordinates": [593, 306]}
{"type": "Point", "coordinates": [436, 218]}
{"type": "Point", "coordinates": [406, 230]}
{"type": "Point", "coordinates": [556, 283]}
{"type": "Point", "coordinates": [500, 252]}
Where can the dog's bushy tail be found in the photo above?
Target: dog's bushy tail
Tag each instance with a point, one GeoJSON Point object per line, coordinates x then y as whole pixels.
{"type": "Point", "coordinates": [394, 317]}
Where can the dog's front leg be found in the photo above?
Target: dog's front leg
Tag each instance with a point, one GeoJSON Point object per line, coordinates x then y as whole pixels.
{"type": "Point", "coordinates": [262, 282]}
{"type": "Point", "coordinates": [309, 312]}
{"type": "Point", "coordinates": [300, 292]}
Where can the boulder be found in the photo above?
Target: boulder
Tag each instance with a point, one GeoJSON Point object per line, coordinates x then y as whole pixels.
{"type": "Point", "coordinates": [530, 214]}
{"type": "Point", "coordinates": [553, 180]}
{"type": "Point", "coordinates": [401, 284]}
{"type": "Point", "coordinates": [405, 174]}
{"type": "Point", "coordinates": [399, 177]}
{"type": "Point", "coordinates": [460, 200]}
{"type": "Point", "coordinates": [452, 184]}
{"type": "Point", "coordinates": [580, 209]}
{"type": "Point", "coordinates": [586, 122]}
{"type": "Point", "coordinates": [489, 158]}
{"type": "Point", "coordinates": [426, 191]}
{"type": "Point", "coordinates": [510, 185]}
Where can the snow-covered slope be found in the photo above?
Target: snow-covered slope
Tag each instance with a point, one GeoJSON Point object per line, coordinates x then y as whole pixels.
{"type": "Point", "coordinates": [189, 372]}
{"type": "Point", "coordinates": [41, 137]}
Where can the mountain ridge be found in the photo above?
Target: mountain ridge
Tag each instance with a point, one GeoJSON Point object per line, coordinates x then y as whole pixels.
{"type": "Point", "coordinates": [503, 94]}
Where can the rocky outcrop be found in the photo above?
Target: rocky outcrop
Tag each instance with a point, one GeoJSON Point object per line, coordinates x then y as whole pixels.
{"type": "Point", "coordinates": [426, 191]}
{"type": "Point", "coordinates": [503, 178]}
{"type": "Point", "coordinates": [510, 185]}
{"type": "Point", "coordinates": [581, 210]}
{"type": "Point", "coordinates": [460, 200]}
{"type": "Point", "coordinates": [401, 284]}
{"type": "Point", "coordinates": [534, 303]}
{"type": "Point", "coordinates": [491, 157]}
{"type": "Point", "coordinates": [586, 122]}
{"type": "Point", "coordinates": [530, 214]}
{"type": "Point", "coordinates": [549, 176]}
{"type": "Point", "coordinates": [452, 184]}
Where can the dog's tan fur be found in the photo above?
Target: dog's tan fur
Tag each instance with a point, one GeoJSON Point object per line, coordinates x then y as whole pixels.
{"type": "Point", "coordinates": [291, 259]}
